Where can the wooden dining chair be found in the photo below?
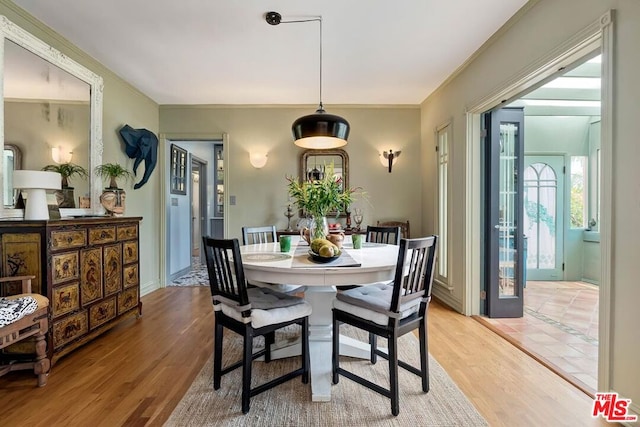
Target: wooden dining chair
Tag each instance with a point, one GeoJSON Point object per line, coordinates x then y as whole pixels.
{"type": "Point", "coordinates": [390, 235]}
{"type": "Point", "coordinates": [390, 311]}
{"type": "Point", "coordinates": [262, 234]}
{"type": "Point", "coordinates": [250, 312]}
{"type": "Point", "coordinates": [404, 226]}
{"type": "Point", "coordinates": [24, 315]}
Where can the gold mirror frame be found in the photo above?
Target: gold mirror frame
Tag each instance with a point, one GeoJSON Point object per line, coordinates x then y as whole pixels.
{"type": "Point", "coordinates": [308, 156]}
{"type": "Point", "coordinates": [19, 36]}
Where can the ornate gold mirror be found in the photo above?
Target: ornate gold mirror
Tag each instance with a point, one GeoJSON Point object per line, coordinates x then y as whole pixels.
{"type": "Point", "coordinates": [313, 164]}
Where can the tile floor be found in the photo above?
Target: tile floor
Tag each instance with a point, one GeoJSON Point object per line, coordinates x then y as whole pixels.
{"type": "Point", "coordinates": [560, 327]}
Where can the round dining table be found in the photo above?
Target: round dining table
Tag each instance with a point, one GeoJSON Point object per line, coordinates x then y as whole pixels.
{"type": "Point", "coordinates": [372, 263]}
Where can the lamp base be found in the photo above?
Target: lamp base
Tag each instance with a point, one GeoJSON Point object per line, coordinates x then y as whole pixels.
{"type": "Point", "coordinates": [36, 205]}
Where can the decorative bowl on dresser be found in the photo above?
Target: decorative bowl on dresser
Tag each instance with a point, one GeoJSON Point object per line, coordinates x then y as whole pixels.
{"type": "Point", "coordinates": [87, 267]}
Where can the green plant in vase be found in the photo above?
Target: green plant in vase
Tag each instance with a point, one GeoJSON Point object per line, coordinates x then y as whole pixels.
{"type": "Point", "coordinates": [112, 198]}
{"type": "Point", "coordinates": [112, 172]}
{"type": "Point", "coordinates": [65, 196]}
{"type": "Point", "coordinates": [321, 197]}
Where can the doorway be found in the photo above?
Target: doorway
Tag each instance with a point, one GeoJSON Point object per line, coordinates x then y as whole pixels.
{"type": "Point", "coordinates": [553, 191]}
{"type": "Point", "coordinates": [199, 209]}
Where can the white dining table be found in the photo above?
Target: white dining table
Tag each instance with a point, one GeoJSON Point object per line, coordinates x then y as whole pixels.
{"type": "Point", "coordinates": [265, 263]}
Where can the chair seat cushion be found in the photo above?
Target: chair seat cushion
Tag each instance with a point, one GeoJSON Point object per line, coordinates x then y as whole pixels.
{"type": "Point", "coordinates": [13, 309]}
{"type": "Point", "coordinates": [270, 307]}
{"type": "Point", "coordinates": [372, 302]}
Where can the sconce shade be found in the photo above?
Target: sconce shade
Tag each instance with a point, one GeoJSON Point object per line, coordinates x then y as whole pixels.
{"type": "Point", "coordinates": [60, 156]}
{"type": "Point", "coordinates": [36, 182]}
{"type": "Point", "coordinates": [258, 160]}
{"type": "Point", "coordinates": [320, 130]}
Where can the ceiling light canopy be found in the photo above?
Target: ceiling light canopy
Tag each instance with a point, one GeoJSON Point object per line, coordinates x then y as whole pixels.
{"type": "Point", "coordinates": [319, 130]}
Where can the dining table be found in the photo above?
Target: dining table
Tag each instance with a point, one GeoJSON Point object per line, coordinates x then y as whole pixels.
{"type": "Point", "coordinates": [372, 263]}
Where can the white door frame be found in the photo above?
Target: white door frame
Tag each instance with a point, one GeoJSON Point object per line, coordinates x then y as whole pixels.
{"type": "Point", "coordinates": [597, 35]}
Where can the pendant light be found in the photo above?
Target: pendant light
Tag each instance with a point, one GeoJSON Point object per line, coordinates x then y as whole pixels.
{"type": "Point", "coordinates": [320, 130]}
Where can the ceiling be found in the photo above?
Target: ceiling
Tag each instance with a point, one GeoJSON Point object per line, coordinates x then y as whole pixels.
{"type": "Point", "coordinates": [223, 52]}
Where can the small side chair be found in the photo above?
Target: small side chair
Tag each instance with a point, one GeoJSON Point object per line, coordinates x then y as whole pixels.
{"type": "Point", "coordinates": [22, 316]}
{"type": "Point", "coordinates": [390, 311]}
{"type": "Point", "coordinates": [250, 312]}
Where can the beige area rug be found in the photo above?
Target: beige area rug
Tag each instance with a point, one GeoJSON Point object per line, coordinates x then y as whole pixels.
{"type": "Point", "coordinates": [290, 404]}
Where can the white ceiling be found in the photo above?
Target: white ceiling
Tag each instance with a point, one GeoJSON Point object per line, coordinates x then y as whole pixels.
{"type": "Point", "coordinates": [223, 52]}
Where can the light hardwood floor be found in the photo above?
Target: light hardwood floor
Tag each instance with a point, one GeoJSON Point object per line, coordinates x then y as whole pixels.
{"type": "Point", "coordinates": [135, 374]}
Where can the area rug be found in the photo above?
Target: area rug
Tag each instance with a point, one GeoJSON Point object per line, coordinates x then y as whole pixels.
{"type": "Point", "coordinates": [351, 404]}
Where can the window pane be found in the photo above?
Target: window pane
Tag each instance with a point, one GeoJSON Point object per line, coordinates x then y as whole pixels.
{"type": "Point", "coordinates": [578, 208]}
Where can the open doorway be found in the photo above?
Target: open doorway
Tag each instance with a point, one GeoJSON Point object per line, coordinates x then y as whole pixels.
{"type": "Point", "coordinates": [547, 215]}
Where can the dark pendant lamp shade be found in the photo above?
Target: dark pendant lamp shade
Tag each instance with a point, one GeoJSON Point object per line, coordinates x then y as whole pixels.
{"type": "Point", "coordinates": [320, 130]}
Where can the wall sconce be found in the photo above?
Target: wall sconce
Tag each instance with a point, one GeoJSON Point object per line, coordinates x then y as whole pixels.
{"type": "Point", "coordinates": [387, 159]}
{"type": "Point", "coordinates": [257, 159]}
{"type": "Point", "coordinates": [61, 156]}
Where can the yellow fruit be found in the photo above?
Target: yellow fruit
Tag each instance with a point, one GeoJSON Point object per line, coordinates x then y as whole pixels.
{"type": "Point", "coordinates": [316, 244]}
{"type": "Point", "coordinates": [326, 251]}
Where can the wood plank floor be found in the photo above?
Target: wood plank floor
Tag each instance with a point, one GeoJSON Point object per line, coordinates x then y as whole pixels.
{"type": "Point", "coordinates": [135, 374]}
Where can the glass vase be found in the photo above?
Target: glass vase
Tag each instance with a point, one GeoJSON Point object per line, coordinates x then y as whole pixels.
{"type": "Point", "coordinates": [318, 227]}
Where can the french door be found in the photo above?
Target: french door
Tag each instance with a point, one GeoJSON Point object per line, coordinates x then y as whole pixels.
{"type": "Point", "coordinates": [543, 216]}
{"type": "Point", "coordinates": [504, 240]}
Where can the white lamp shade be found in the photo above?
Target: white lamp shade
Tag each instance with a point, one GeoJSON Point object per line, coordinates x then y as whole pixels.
{"type": "Point", "coordinates": [36, 182]}
{"type": "Point", "coordinates": [26, 179]}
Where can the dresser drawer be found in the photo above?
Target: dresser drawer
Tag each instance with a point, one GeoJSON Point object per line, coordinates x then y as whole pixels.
{"type": "Point", "coordinates": [131, 276]}
{"type": "Point", "coordinates": [127, 232]}
{"type": "Point", "coordinates": [102, 235]}
{"type": "Point", "coordinates": [127, 300]}
{"type": "Point", "coordinates": [65, 299]}
{"type": "Point", "coordinates": [68, 239]}
{"type": "Point", "coordinates": [69, 328]}
{"type": "Point", "coordinates": [102, 312]}
{"type": "Point", "coordinates": [130, 252]}
{"type": "Point", "coordinates": [64, 266]}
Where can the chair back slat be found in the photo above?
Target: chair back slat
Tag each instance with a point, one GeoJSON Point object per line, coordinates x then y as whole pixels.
{"type": "Point", "coordinates": [255, 235]}
{"type": "Point", "coordinates": [224, 266]}
{"type": "Point", "coordinates": [414, 271]}
{"type": "Point", "coordinates": [387, 235]}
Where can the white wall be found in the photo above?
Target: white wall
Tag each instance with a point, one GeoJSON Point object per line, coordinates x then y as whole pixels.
{"type": "Point", "coordinates": [545, 26]}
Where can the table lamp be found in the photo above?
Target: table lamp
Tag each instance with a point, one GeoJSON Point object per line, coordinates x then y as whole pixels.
{"type": "Point", "coordinates": [36, 182]}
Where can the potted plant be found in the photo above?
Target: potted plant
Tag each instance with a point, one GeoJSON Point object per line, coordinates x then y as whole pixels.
{"type": "Point", "coordinates": [318, 198]}
{"type": "Point", "coordinates": [112, 171]}
{"type": "Point", "coordinates": [112, 198]}
{"type": "Point", "coordinates": [65, 196]}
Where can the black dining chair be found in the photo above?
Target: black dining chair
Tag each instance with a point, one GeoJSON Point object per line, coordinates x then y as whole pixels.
{"type": "Point", "coordinates": [266, 234]}
{"type": "Point", "coordinates": [390, 311]}
{"type": "Point", "coordinates": [250, 312]}
{"type": "Point", "coordinates": [380, 234]}
{"type": "Point", "coordinates": [375, 234]}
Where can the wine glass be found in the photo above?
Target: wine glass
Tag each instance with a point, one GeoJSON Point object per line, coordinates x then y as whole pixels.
{"type": "Point", "coordinates": [357, 218]}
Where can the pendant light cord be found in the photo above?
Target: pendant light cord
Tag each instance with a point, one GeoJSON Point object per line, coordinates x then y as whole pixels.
{"type": "Point", "coordinates": [319, 19]}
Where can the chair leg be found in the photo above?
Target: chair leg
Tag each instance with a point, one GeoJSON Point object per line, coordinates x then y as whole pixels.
{"type": "Point", "coordinates": [305, 351]}
{"type": "Point", "coordinates": [393, 374]}
{"type": "Point", "coordinates": [335, 353]}
{"type": "Point", "coordinates": [373, 342]}
{"type": "Point", "coordinates": [42, 365]}
{"type": "Point", "coordinates": [217, 355]}
{"type": "Point", "coordinates": [424, 355]}
{"type": "Point", "coordinates": [269, 339]}
{"type": "Point", "coordinates": [247, 350]}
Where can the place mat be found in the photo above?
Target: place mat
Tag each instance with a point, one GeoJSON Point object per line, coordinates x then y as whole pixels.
{"type": "Point", "coordinates": [301, 259]}
{"type": "Point", "coordinates": [264, 256]}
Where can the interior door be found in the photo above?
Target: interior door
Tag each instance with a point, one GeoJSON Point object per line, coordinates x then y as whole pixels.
{"type": "Point", "coordinates": [504, 240]}
{"type": "Point", "coordinates": [543, 216]}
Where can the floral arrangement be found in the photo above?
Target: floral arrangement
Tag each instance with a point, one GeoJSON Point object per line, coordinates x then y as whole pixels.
{"type": "Point", "coordinates": [321, 197]}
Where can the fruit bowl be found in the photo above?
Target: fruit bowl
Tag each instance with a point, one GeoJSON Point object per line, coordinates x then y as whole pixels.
{"type": "Point", "coordinates": [317, 258]}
